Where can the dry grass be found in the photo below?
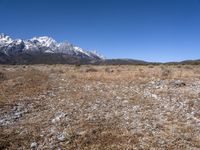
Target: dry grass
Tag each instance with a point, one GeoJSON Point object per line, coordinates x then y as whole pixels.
{"type": "Point", "coordinates": [22, 83]}
{"type": "Point", "coordinates": [99, 107]}
{"type": "Point", "coordinates": [2, 76]}
{"type": "Point", "coordinates": [91, 70]}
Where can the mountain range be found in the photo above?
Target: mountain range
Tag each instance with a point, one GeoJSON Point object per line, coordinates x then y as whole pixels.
{"type": "Point", "coordinates": [43, 50]}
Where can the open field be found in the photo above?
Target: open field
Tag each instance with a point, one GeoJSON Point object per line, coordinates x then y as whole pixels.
{"type": "Point", "coordinates": [100, 107]}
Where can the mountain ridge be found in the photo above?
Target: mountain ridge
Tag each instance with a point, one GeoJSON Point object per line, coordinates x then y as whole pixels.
{"type": "Point", "coordinates": [13, 49]}
{"type": "Point", "coordinates": [46, 50]}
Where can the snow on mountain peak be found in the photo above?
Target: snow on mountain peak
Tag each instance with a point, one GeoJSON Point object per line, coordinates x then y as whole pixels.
{"type": "Point", "coordinates": [44, 41]}
{"type": "Point", "coordinates": [43, 44]}
{"type": "Point", "coordinates": [80, 50]}
{"type": "Point", "coordinates": [5, 39]}
{"type": "Point", "coordinates": [94, 52]}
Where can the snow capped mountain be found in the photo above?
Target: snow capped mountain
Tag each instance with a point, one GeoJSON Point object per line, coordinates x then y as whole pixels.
{"type": "Point", "coordinates": [42, 45]}
{"type": "Point", "coordinates": [44, 41]}
{"type": "Point", "coordinates": [4, 39]}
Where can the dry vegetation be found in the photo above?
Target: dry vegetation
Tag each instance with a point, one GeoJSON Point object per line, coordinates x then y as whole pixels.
{"type": "Point", "coordinates": [100, 107]}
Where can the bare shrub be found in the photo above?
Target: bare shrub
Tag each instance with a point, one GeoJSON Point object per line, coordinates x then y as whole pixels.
{"type": "Point", "coordinates": [78, 65]}
{"type": "Point", "coordinates": [165, 72]}
{"type": "Point", "coordinates": [150, 66]}
{"type": "Point", "coordinates": [91, 70]}
{"type": "Point", "coordinates": [188, 67]}
{"type": "Point", "coordinates": [179, 66]}
{"type": "Point", "coordinates": [53, 70]}
{"type": "Point", "coordinates": [108, 70]}
{"type": "Point", "coordinates": [24, 67]}
{"type": "Point", "coordinates": [2, 76]}
{"type": "Point", "coordinates": [58, 71]}
{"type": "Point", "coordinates": [140, 73]}
{"type": "Point", "coordinates": [61, 71]}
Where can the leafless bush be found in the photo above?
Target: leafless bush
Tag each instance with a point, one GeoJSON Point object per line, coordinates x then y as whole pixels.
{"type": "Point", "coordinates": [140, 73]}
{"type": "Point", "coordinates": [2, 76]}
{"type": "Point", "coordinates": [150, 66]}
{"type": "Point", "coordinates": [165, 72]}
{"type": "Point", "coordinates": [61, 71]}
{"type": "Point", "coordinates": [78, 65]}
{"type": "Point", "coordinates": [188, 67]}
{"type": "Point", "coordinates": [179, 66]}
{"type": "Point", "coordinates": [58, 71]}
{"type": "Point", "coordinates": [91, 70]}
{"type": "Point", "coordinates": [109, 70]}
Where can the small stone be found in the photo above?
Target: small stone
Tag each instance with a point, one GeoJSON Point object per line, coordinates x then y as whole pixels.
{"type": "Point", "coordinates": [125, 101]}
{"type": "Point", "coordinates": [61, 137]}
{"type": "Point", "coordinates": [178, 83]}
{"type": "Point", "coordinates": [154, 96]}
{"type": "Point", "coordinates": [34, 146]}
{"type": "Point", "coordinates": [82, 133]}
{"type": "Point", "coordinates": [58, 117]}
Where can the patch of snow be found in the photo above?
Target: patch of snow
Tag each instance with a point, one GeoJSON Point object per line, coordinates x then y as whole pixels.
{"type": "Point", "coordinates": [45, 41]}
{"type": "Point", "coordinates": [5, 39]}
{"type": "Point", "coordinates": [49, 51]}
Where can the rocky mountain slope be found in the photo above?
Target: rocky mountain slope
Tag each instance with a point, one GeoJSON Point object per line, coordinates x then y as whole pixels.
{"type": "Point", "coordinates": [42, 50]}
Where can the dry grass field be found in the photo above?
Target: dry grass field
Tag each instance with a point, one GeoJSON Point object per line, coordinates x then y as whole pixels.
{"type": "Point", "coordinates": [63, 107]}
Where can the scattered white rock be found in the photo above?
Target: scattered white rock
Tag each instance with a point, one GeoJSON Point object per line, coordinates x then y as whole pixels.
{"type": "Point", "coordinates": [178, 83]}
{"type": "Point", "coordinates": [61, 137]}
{"type": "Point", "coordinates": [58, 117]}
{"type": "Point", "coordinates": [154, 96]}
{"type": "Point", "coordinates": [34, 146]}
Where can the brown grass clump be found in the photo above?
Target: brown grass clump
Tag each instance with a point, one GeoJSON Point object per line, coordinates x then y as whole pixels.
{"type": "Point", "coordinates": [12, 139]}
{"type": "Point", "coordinates": [91, 70]}
{"type": "Point", "coordinates": [165, 72]}
{"type": "Point", "coordinates": [109, 70]}
{"type": "Point", "coordinates": [139, 100]}
{"type": "Point", "coordinates": [150, 66]}
{"type": "Point", "coordinates": [23, 83]}
{"type": "Point", "coordinates": [104, 134]}
{"type": "Point", "coordinates": [2, 76]}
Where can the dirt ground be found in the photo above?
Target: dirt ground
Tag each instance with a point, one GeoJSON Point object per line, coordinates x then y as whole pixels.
{"type": "Point", "coordinates": [63, 107]}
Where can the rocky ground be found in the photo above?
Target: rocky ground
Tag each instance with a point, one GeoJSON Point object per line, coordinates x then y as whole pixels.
{"type": "Point", "coordinates": [100, 107]}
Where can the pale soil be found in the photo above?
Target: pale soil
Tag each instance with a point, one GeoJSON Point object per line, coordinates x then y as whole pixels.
{"type": "Point", "coordinates": [100, 107]}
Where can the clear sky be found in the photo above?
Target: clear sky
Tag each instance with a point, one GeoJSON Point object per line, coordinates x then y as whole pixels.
{"type": "Point", "coordinates": [151, 30]}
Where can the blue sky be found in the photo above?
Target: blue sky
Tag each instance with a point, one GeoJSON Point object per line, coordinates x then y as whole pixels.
{"type": "Point", "coordinates": [151, 30]}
